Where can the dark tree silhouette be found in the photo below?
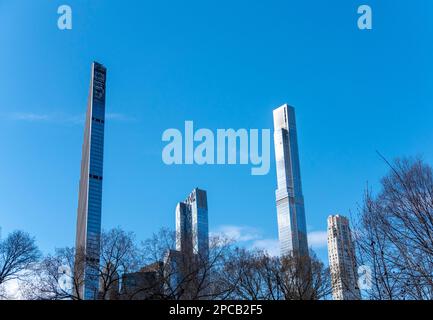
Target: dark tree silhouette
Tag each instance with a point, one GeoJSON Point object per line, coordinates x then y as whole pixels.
{"type": "Point", "coordinates": [18, 254]}
{"type": "Point", "coordinates": [394, 234]}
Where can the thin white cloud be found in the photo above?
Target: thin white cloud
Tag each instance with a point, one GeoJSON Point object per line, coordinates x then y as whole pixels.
{"type": "Point", "coordinates": [318, 239]}
{"type": "Point", "coordinates": [28, 116]}
{"type": "Point", "coordinates": [271, 246]}
{"type": "Point", "coordinates": [238, 233]}
{"type": "Point", "coordinates": [253, 238]}
{"type": "Point", "coordinates": [59, 118]}
{"type": "Point", "coordinates": [248, 237]}
{"type": "Point", "coordinates": [119, 117]}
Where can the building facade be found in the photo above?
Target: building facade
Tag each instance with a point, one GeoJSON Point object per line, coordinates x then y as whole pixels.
{"type": "Point", "coordinates": [342, 260]}
{"type": "Point", "coordinates": [292, 230]}
{"type": "Point", "coordinates": [88, 232]}
{"type": "Point", "coordinates": [179, 280]}
{"type": "Point", "coordinates": [146, 284]}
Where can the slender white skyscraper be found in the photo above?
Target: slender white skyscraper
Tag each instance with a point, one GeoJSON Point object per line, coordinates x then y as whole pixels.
{"type": "Point", "coordinates": [88, 235]}
{"type": "Point", "coordinates": [292, 228]}
{"type": "Point", "coordinates": [342, 260]}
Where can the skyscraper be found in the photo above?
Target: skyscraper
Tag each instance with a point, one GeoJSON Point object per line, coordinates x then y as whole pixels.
{"type": "Point", "coordinates": [342, 260]}
{"type": "Point", "coordinates": [292, 230]}
{"type": "Point", "coordinates": [189, 260]}
{"type": "Point", "coordinates": [192, 230]}
{"type": "Point", "coordinates": [90, 191]}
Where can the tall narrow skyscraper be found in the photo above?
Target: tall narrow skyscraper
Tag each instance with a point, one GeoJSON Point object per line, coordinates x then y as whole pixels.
{"type": "Point", "coordinates": [90, 191]}
{"type": "Point", "coordinates": [190, 259]}
{"type": "Point", "coordinates": [192, 230]}
{"type": "Point", "coordinates": [292, 230]}
{"type": "Point", "coordinates": [342, 260]}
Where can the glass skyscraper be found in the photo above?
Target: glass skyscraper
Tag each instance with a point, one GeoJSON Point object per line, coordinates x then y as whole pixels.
{"type": "Point", "coordinates": [190, 259]}
{"type": "Point", "coordinates": [292, 230]}
{"type": "Point", "coordinates": [192, 230]}
{"type": "Point", "coordinates": [90, 190]}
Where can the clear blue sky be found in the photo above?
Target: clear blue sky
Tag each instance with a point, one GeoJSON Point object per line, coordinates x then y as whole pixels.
{"type": "Point", "coordinates": [221, 64]}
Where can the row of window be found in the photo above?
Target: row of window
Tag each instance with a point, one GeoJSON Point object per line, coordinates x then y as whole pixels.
{"type": "Point", "coordinates": [98, 120]}
{"type": "Point", "coordinates": [92, 176]}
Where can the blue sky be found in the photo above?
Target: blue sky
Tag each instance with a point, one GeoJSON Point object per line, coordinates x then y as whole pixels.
{"type": "Point", "coordinates": [222, 64]}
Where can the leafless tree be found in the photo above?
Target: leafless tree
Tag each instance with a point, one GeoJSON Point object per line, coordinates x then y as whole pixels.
{"type": "Point", "coordinates": [119, 255]}
{"type": "Point", "coordinates": [304, 278]}
{"type": "Point", "coordinates": [157, 271]}
{"type": "Point", "coordinates": [18, 254]}
{"type": "Point", "coordinates": [395, 233]}
{"type": "Point", "coordinates": [3, 293]}
{"type": "Point", "coordinates": [187, 276]}
{"type": "Point", "coordinates": [58, 276]}
{"type": "Point", "coordinates": [254, 275]}
{"type": "Point", "coordinates": [54, 278]}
